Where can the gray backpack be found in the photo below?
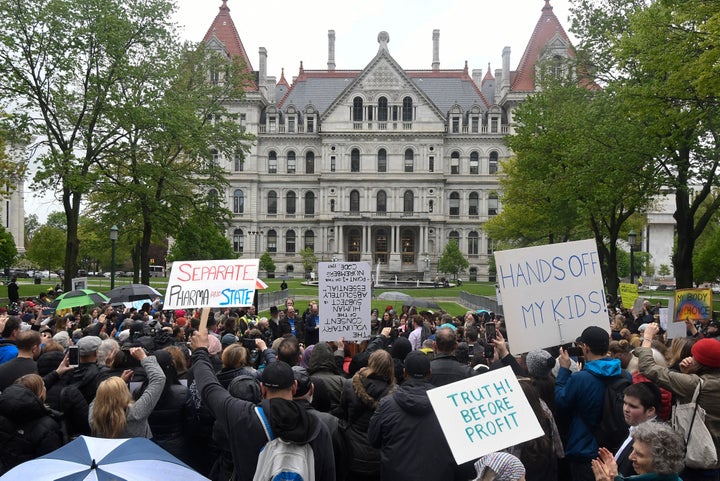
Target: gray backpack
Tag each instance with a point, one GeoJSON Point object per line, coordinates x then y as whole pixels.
{"type": "Point", "coordinates": [282, 460]}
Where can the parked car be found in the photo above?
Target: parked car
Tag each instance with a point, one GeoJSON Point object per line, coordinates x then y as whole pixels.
{"type": "Point", "coordinates": [19, 273]}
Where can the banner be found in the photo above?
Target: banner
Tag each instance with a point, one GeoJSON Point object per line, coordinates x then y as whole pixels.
{"type": "Point", "coordinates": [216, 283]}
{"type": "Point", "coordinates": [693, 304]}
{"type": "Point", "coordinates": [550, 293]}
{"type": "Point", "coordinates": [628, 294]}
{"type": "Point", "coordinates": [345, 304]}
{"type": "Point", "coordinates": [484, 413]}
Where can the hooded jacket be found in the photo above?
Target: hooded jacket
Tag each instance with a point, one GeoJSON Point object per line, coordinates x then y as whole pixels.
{"type": "Point", "coordinates": [580, 396]}
{"type": "Point", "coordinates": [323, 368]}
{"type": "Point", "coordinates": [288, 420]}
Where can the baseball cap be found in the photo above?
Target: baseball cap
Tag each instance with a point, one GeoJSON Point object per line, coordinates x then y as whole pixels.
{"type": "Point", "coordinates": [596, 339]}
{"type": "Point", "coordinates": [277, 375]}
{"type": "Point", "coordinates": [417, 365]}
{"type": "Point", "coordinates": [88, 345]}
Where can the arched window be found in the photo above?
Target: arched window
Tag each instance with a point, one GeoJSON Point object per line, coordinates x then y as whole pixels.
{"type": "Point", "coordinates": [272, 241]}
{"type": "Point", "coordinates": [354, 201]}
{"type": "Point", "coordinates": [493, 204]}
{"type": "Point", "coordinates": [493, 163]}
{"type": "Point", "coordinates": [272, 202]}
{"type": "Point", "coordinates": [474, 162]}
{"type": "Point", "coordinates": [310, 163]}
{"type": "Point", "coordinates": [473, 243]}
{"type": "Point", "coordinates": [272, 162]}
{"type": "Point", "coordinates": [408, 202]}
{"type": "Point", "coordinates": [357, 109]}
{"type": "Point", "coordinates": [290, 202]}
{"type": "Point", "coordinates": [238, 202]}
{"type": "Point", "coordinates": [407, 113]}
{"type": "Point", "coordinates": [474, 204]}
{"type": "Point", "coordinates": [454, 237]}
{"type": "Point", "coordinates": [290, 242]}
{"type": "Point", "coordinates": [354, 160]}
{"type": "Point", "coordinates": [309, 203]}
{"type": "Point", "coordinates": [238, 241]}
{"type": "Point", "coordinates": [291, 163]}
{"type": "Point", "coordinates": [381, 202]}
{"type": "Point", "coordinates": [409, 160]}
{"type": "Point", "coordinates": [382, 160]}
{"type": "Point", "coordinates": [310, 240]}
{"type": "Point", "coordinates": [455, 163]}
{"type": "Point", "coordinates": [382, 109]}
{"type": "Point", "coordinates": [454, 204]}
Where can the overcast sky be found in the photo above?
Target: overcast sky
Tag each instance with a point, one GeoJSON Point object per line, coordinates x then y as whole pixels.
{"type": "Point", "coordinates": [292, 31]}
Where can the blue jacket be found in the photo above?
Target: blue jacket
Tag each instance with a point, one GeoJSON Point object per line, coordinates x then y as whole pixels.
{"type": "Point", "coordinates": [580, 396]}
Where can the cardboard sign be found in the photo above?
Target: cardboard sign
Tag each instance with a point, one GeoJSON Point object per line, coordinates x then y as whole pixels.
{"type": "Point", "coordinates": [628, 293]}
{"type": "Point", "coordinates": [216, 283]}
{"type": "Point", "coordinates": [79, 283]}
{"type": "Point", "coordinates": [550, 293]}
{"type": "Point", "coordinates": [345, 304]}
{"type": "Point", "coordinates": [484, 413]}
{"type": "Point", "coordinates": [693, 304]}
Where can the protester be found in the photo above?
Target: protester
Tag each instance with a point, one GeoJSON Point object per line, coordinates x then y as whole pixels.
{"type": "Point", "coordinates": [500, 466]}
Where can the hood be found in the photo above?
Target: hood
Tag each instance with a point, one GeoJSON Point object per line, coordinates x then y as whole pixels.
{"type": "Point", "coordinates": [322, 359]}
{"type": "Point", "coordinates": [369, 390]}
{"type": "Point", "coordinates": [19, 402]}
{"type": "Point", "coordinates": [412, 397]}
{"type": "Point", "coordinates": [604, 367]}
{"type": "Point", "coordinates": [400, 348]}
{"type": "Point", "coordinates": [290, 421]}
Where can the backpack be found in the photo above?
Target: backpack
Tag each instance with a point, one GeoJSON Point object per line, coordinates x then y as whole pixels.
{"type": "Point", "coordinates": [612, 430]}
{"type": "Point", "coordinates": [282, 460]}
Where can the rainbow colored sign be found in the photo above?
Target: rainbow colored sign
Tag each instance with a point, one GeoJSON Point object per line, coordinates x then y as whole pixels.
{"type": "Point", "coordinates": [693, 304]}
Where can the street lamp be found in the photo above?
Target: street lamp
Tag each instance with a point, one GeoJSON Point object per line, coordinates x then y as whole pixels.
{"type": "Point", "coordinates": [113, 240]}
{"type": "Point", "coordinates": [427, 267]}
{"type": "Point", "coordinates": [632, 238]}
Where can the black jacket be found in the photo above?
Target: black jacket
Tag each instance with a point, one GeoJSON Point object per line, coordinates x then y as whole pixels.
{"type": "Point", "coordinates": [446, 369]}
{"type": "Point", "coordinates": [167, 421]}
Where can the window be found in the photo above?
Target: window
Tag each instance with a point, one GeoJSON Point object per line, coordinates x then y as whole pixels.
{"type": "Point", "coordinates": [431, 206]}
{"type": "Point", "coordinates": [332, 163]}
{"type": "Point", "coordinates": [212, 198]}
{"type": "Point", "coordinates": [408, 202]}
{"type": "Point", "coordinates": [310, 163]}
{"type": "Point", "coordinates": [272, 202]}
{"type": "Point", "coordinates": [382, 160]}
{"type": "Point", "coordinates": [490, 246]}
{"type": "Point", "coordinates": [310, 240]}
{"type": "Point", "coordinates": [474, 163]}
{"type": "Point", "coordinates": [474, 205]}
{"type": "Point", "coordinates": [493, 163]}
{"type": "Point", "coordinates": [431, 163]}
{"type": "Point", "coordinates": [454, 237]}
{"type": "Point", "coordinates": [357, 109]}
{"type": "Point", "coordinates": [272, 124]}
{"type": "Point", "coordinates": [355, 160]}
{"type": "Point", "coordinates": [381, 202]}
{"type": "Point", "coordinates": [557, 66]}
{"type": "Point", "coordinates": [354, 201]}
{"type": "Point", "coordinates": [407, 113]}
{"type": "Point", "coordinates": [272, 162]}
{"type": "Point", "coordinates": [454, 204]}
{"type": "Point", "coordinates": [238, 241]}
{"type": "Point", "coordinates": [290, 242]}
{"type": "Point", "coordinates": [238, 202]}
{"type": "Point", "coordinates": [243, 120]}
{"type": "Point", "coordinates": [291, 124]}
{"type": "Point", "coordinates": [310, 125]}
{"type": "Point", "coordinates": [395, 111]}
{"type": "Point", "coordinates": [332, 205]}
{"type": "Point", "coordinates": [475, 125]}
{"type": "Point", "coordinates": [272, 241]}
{"type": "Point", "coordinates": [290, 202]}
{"type": "Point", "coordinates": [473, 243]}
{"type": "Point", "coordinates": [494, 125]}
{"type": "Point", "coordinates": [456, 125]}
{"type": "Point", "coordinates": [239, 163]}
{"type": "Point", "coordinates": [455, 163]}
{"type": "Point", "coordinates": [214, 157]}
{"type": "Point", "coordinates": [409, 160]}
{"type": "Point", "coordinates": [309, 203]}
{"type": "Point", "coordinates": [382, 109]}
{"type": "Point", "coordinates": [291, 164]}
{"type": "Point", "coordinates": [492, 204]}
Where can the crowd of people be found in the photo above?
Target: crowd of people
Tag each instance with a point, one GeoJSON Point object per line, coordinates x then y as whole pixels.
{"type": "Point", "coordinates": [216, 398]}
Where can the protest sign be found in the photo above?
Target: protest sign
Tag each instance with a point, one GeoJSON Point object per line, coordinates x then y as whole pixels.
{"type": "Point", "coordinates": [550, 293]}
{"type": "Point", "coordinates": [79, 283]}
{"type": "Point", "coordinates": [628, 293]}
{"type": "Point", "coordinates": [216, 283]}
{"type": "Point", "coordinates": [664, 317]}
{"type": "Point", "coordinates": [484, 413]}
{"type": "Point", "coordinates": [676, 329]}
{"type": "Point", "coordinates": [693, 304]}
{"type": "Point", "coordinates": [344, 293]}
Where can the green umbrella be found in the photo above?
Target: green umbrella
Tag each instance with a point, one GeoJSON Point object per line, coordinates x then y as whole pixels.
{"type": "Point", "coordinates": [78, 298]}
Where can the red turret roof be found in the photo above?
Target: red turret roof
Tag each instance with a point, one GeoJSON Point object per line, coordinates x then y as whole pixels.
{"type": "Point", "coordinates": [488, 75]}
{"type": "Point", "coordinates": [283, 80]}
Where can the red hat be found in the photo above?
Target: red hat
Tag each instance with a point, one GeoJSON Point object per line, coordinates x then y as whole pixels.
{"type": "Point", "coordinates": [181, 321]}
{"type": "Point", "coordinates": [707, 352]}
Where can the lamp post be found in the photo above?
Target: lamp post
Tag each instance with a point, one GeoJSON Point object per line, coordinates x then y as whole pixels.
{"type": "Point", "coordinates": [427, 267]}
{"type": "Point", "coordinates": [632, 238]}
{"type": "Point", "coordinates": [113, 240]}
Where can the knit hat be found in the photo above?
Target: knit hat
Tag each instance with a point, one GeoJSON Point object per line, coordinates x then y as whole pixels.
{"type": "Point", "coordinates": [214, 346]}
{"type": "Point", "coordinates": [417, 365]}
{"type": "Point", "coordinates": [62, 338]}
{"type": "Point", "coordinates": [707, 352]}
{"type": "Point", "coordinates": [245, 387]}
{"type": "Point", "coordinates": [505, 466]}
{"type": "Point", "coordinates": [228, 339]}
{"type": "Point", "coordinates": [596, 339]}
{"type": "Point", "coordinates": [539, 363]}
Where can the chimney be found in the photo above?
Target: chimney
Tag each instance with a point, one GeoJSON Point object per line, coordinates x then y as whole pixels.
{"type": "Point", "coordinates": [262, 74]}
{"type": "Point", "coordinates": [506, 69]}
{"type": "Point", "coordinates": [477, 76]}
{"type": "Point", "coordinates": [331, 50]}
{"type": "Point", "coordinates": [436, 50]}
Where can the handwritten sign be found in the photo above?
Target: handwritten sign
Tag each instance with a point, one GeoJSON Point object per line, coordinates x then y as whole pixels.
{"type": "Point", "coordinates": [550, 293]}
{"type": "Point", "coordinates": [693, 304]}
{"type": "Point", "coordinates": [628, 293]}
{"type": "Point", "coordinates": [344, 292]}
{"type": "Point", "coordinates": [216, 283]}
{"type": "Point", "coordinates": [484, 413]}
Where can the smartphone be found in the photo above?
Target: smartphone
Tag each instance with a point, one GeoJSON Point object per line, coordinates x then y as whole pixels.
{"type": "Point", "coordinates": [489, 336]}
{"type": "Point", "coordinates": [74, 356]}
{"type": "Point", "coordinates": [249, 343]}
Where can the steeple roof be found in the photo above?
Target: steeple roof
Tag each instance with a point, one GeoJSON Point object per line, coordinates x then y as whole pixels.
{"type": "Point", "coordinates": [488, 75]}
{"type": "Point", "coordinates": [223, 29]}
{"type": "Point", "coordinates": [546, 29]}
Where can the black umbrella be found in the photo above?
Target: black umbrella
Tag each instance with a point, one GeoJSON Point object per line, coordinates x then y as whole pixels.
{"type": "Point", "coordinates": [132, 292]}
{"type": "Point", "coordinates": [422, 303]}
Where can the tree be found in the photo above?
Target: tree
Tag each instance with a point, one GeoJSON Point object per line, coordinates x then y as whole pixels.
{"type": "Point", "coordinates": [32, 224]}
{"type": "Point", "coordinates": [308, 259]}
{"type": "Point", "coordinates": [64, 62]}
{"type": "Point", "coordinates": [47, 249]}
{"type": "Point", "coordinates": [8, 250]}
{"type": "Point", "coordinates": [200, 239]}
{"type": "Point", "coordinates": [266, 263]}
{"type": "Point", "coordinates": [452, 261]}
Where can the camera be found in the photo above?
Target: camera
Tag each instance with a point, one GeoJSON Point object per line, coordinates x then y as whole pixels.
{"type": "Point", "coordinates": [249, 343]}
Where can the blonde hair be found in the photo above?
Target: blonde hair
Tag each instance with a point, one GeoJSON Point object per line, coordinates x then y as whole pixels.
{"type": "Point", "coordinates": [381, 364]}
{"type": "Point", "coordinates": [178, 358]}
{"type": "Point", "coordinates": [235, 356]}
{"type": "Point", "coordinates": [34, 383]}
{"type": "Point", "coordinates": [619, 322]}
{"type": "Point", "coordinates": [109, 417]}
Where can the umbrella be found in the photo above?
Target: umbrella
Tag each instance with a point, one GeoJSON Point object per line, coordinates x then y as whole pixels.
{"type": "Point", "coordinates": [78, 298]}
{"type": "Point", "coordinates": [422, 303]}
{"type": "Point", "coordinates": [132, 292]}
{"type": "Point", "coordinates": [89, 458]}
{"type": "Point", "coordinates": [394, 296]}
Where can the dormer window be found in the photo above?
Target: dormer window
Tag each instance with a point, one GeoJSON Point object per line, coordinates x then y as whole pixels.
{"type": "Point", "coordinates": [272, 124]}
{"type": "Point", "coordinates": [291, 125]}
{"type": "Point", "coordinates": [310, 124]}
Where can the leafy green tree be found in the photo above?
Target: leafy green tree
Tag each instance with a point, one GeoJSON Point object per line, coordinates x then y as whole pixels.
{"type": "Point", "coordinates": [452, 261]}
{"type": "Point", "coordinates": [266, 263]}
{"type": "Point", "coordinates": [31, 225]}
{"type": "Point", "coordinates": [57, 219]}
{"type": "Point", "coordinates": [200, 239]}
{"type": "Point", "coordinates": [309, 259]}
{"type": "Point", "coordinates": [47, 249]}
{"type": "Point", "coordinates": [8, 250]}
{"type": "Point", "coordinates": [664, 270]}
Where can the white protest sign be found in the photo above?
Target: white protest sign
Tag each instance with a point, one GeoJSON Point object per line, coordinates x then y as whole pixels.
{"type": "Point", "coordinates": [676, 329]}
{"type": "Point", "coordinates": [484, 413]}
{"type": "Point", "coordinates": [550, 293]}
{"type": "Point", "coordinates": [664, 317]}
{"type": "Point", "coordinates": [216, 283]}
{"type": "Point", "coordinates": [79, 283]}
{"type": "Point", "coordinates": [344, 293]}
